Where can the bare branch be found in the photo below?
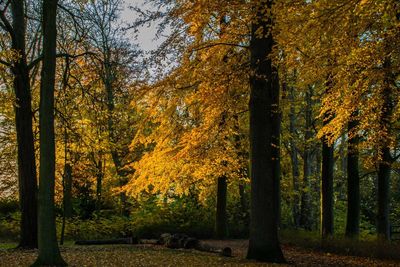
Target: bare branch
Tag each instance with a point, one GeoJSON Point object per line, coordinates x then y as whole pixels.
{"type": "Point", "coordinates": [66, 55]}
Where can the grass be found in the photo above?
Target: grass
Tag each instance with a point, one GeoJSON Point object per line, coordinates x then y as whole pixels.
{"type": "Point", "coordinates": [4, 246]}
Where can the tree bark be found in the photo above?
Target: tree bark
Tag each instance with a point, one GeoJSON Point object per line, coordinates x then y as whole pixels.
{"type": "Point", "coordinates": [384, 167]}
{"type": "Point", "coordinates": [67, 199]}
{"type": "Point", "coordinates": [294, 161]}
{"type": "Point", "coordinates": [327, 189]}
{"type": "Point", "coordinates": [49, 253]}
{"type": "Point", "coordinates": [305, 205]}
{"type": "Point", "coordinates": [353, 183]}
{"type": "Point", "coordinates": [383, 222]}
{"type": "Point", "coordinates": [99, 183]}
{"type": "Point", "coordinates": [221, 216]}
{"type": "Point", "coordinates": [264, 141]}
{"type": "Point", "coordinates": [23, 121]}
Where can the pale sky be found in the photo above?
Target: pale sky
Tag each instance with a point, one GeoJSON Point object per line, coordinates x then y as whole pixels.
{"type": "Point", "coordinates": [146, 35]}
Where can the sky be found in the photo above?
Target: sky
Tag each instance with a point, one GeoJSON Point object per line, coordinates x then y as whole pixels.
{"type": "Point", "coordinates": [146, 35]}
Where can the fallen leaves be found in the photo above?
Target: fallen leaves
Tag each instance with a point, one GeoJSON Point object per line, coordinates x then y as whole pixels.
{"type": "Point", "coordinates": [147, 255]}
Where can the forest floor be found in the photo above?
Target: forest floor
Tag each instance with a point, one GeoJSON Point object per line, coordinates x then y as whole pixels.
{"type": "Point", "coordinates": [147, 255]}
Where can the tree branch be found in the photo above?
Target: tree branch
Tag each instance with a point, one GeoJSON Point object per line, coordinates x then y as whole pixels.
{"type": "Point", "coordinates": [66, 55]}
{"type": "Point", "coordinates": [219, 43]}
{"type": "Point", "coordinates": [6, 25]}
{"type": "Point", "coordinates": [5, 63]}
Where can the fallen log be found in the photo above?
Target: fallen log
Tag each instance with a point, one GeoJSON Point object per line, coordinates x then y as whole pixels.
{"type": "Point", "coordinates": [149, 241]}
{"type": "Point", "coordinates": [183, 241]}
{"type": "Point", "coordinates": [226, 251]}
{"type": "Point", "coordinates": [174, 241]}
{"type": "Point", "coordinates": [129, 240]}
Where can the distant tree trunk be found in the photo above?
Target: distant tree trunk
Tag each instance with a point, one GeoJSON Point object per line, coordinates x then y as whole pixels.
{"type": "Point", "coordinates": [243, 199]}
{"type": "Point", "coordinates": [316, 171]}
{"type": "Point", "coordinates": [49, 253]}
{"type": "Point", "coordinates": [384, 167]}
{"type": "Point", "coordinates": [221, 215]}
{"type": "Point", "coordinates": [305, 205]}
{"type": "Point", "coordinates": [341, 179]}
{"type": "Point", "coordinates": [327, 189]}
{"type": "Point", "coordinates": [294, 160]}
{"type": "Point", "coordinates": [99, 183]}
{"type": "Point", "coordinates": [23, 121]}
{"type": "Point", "coordinates": [243, 156]}
{"type": "Point", "coordinates": [353, 183]}
{"type": "Point", "coordinates": [383, 222]}
{"type": "Point", "coordinates": [264, 141]}
{"type": "Point", "coordinates": [67, 200]}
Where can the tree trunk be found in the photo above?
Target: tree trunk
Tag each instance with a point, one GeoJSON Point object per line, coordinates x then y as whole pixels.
{"type": "Point", "coordinates": [353, 183]}
{"type": "Point", "coordinates": [327, 189]}
{"type": "Point", "coordinates": [243, 200]}
{"type": "Point", "coordinates": [23, 121]}
{"type": "Point", "coordinates": [49, 253]}
{"type": "Point", "coordinates": [67, 200]}
{"type": "Point", "coordinates": [383, 222]}
{"type": "Point", "coordinates": [305, 205]}
{"type": "Point", "coordinates": [221, 216]}
{"type": "Point", "coordinates": [264, 141]}
{"type": "Point", "coordinates": [384, 168]}
{"type": "Point", "coordinates": [294, 161]}
{"type": "Point", "coordinates": [99, 184]}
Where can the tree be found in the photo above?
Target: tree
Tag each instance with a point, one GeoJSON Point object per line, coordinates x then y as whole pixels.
{"type": "Point", "coordinates": [221, 214]}
{"type": "Point", "coordinates": [353, 182]}
{"type": "Point", "coordinates": [264, 139]}
{"type": "Point", "coordinates": [23, 121]}
{"type": "Point", "coordinates": [305, 203]}
{"type": "Point", "coordinates": [49, 253]}
{"type": "Point", "coordinates": [327, 189]}
{"type": "Point", "coordinates": [385, 157]}
{"type": "Point", "coordinates": [115, 62]}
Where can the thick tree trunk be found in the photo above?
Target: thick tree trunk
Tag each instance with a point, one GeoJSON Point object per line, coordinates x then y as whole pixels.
{"type": "Point", "coordinates": [23, 121]}
{"type": "Point", "coordinates": [305, 205]}
{"type": "Point", "coordinates": [221, 215]}
{"type": "Point", "coordinates": [384, 168]}
{"type": "Point", "coordinates": [264, 141]}
{"type": "Point", "coordinates": [49, 253]}
{"type": "Point", "coordinates": [353, 184]}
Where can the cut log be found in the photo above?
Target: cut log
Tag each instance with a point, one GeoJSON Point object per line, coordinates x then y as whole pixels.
{"type": "Point", "coordinates": [129, 240]}
{"type": "Point", "coordinates": [226, 251]}
{"type": "Point", "coordinates": [149, 241]}
{"type": "Point", "coordinates": [175, 241]}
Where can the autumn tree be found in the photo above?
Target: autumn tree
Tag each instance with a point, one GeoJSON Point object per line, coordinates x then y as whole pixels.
{"type": "Point", "coordinates": [264, 140]}
{"type": "Point", "coordinates": [23, 121]}
{"type": "Point", "coordinates": [116, 59]}
{"type": "Point", "coordinates": [49, 253]}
